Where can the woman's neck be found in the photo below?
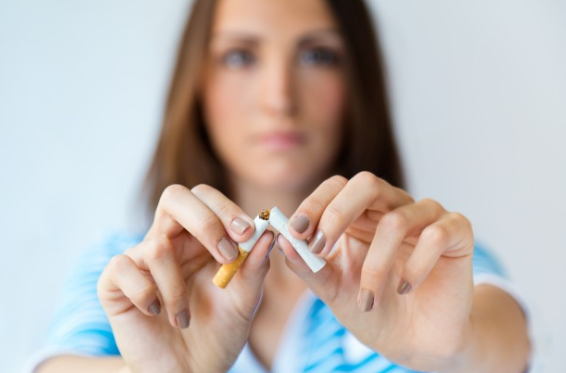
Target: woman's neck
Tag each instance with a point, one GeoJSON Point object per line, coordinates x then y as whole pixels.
{"type": "Point", "coordinates": [253, 199]}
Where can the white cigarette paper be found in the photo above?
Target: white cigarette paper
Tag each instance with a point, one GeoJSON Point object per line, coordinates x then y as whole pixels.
{"type": "Point", "coordinates": [260, 227]}
{"type": "Point", "coordinates": [279, 222]}
{"type": "Point", "coordinates": [227, 271]}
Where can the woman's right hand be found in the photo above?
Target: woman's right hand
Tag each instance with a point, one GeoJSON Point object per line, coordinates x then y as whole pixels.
{"type": "Point", "coordinates": [156, 289]}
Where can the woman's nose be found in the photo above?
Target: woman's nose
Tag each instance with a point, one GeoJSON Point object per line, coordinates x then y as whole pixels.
{"type": "Point", "coordinates": [277, 94]}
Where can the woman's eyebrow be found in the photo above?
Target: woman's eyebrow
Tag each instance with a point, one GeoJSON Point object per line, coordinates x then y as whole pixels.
{"type": "Point", "coordinates": [242, 37]}
{"type": "Point", "coordinates": [253, 39]}
{"type": "Point", "coordinates": [320, 35]}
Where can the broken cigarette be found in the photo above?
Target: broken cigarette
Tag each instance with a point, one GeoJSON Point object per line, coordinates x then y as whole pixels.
{"type": "Point", "coordinates": [279, 222]}
{"type": "Point", "coordinates": [227, 271]}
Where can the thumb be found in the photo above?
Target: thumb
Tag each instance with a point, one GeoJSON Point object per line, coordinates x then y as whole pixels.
{"type": "Point", "coordinates": [323, 283]}
{"type": "Point", "coordinates": [249, 279]}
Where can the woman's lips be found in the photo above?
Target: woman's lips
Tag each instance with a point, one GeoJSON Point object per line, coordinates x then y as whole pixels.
{"type": "Point", "coordinates": [281, 140]}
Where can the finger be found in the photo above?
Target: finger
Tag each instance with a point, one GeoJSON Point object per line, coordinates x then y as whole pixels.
{"type": "Point", "coordinates": [252, 273]}
{"type": "Point", "coordinates": [299, 265]}
{"type": "Point", "coordinates": [451, 236]}
{"type": "Point", "coordinates": [237, 223]}
{"type": "Point", "coordinates": [122, 278]}
{"type": "Point", "coordinates": [313, 206]}
{"type": "Point", "coordinates": [392, 229]}
{"type": "Point", "coordinates": [246, 286]}
{"type": "Point", "coordinates": [179, 209]}
{"type": "Point", "coordinates": [323, 283]}
{"type": "Point", "coordinates": [159, 258]}
{"type": "Point", "coordinates": [364, 191]}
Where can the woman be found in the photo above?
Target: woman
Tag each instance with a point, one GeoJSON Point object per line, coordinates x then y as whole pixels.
{"type": "Point", "coordinates": [282, 103]}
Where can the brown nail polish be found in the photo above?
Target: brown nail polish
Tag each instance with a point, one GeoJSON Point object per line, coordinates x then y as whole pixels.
{"type": "Point", "coordinates": [228, 249]}
{"type": "Point", "coordinates": [154, 308]}
{"type": "Point", "coordinates": [182, 319]}
{"type": "Point", "coordinates": [300, 223]}
{"type": "Point", "coordinates": [239, 225]}
{"type": "Point", "coordinates": [317, 243]}
{"type": "Point", "coordinates": [404, 287]}
{"type": "Point", "coordinates": [365, 300]}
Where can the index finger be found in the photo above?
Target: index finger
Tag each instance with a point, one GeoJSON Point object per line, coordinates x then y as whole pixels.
{"type": "Point", "coordinates": [331, 209]}
{"type": "Point", "coordinates": [207, 215]}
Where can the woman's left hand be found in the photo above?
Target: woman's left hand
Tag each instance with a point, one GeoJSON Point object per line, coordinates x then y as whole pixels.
{"type": "Point", "coordinates": [399, 272]}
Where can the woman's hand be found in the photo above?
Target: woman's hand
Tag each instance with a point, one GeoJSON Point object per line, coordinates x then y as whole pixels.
{"type": "Point", "coordinates": [155, 290]}
{"type": "Point", "coordinates": [400, 274]}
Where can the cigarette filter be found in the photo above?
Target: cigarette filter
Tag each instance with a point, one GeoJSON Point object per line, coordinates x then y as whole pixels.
{"type": "Point", "coordinates": [279, 222]}
{"type": "Point", "coordinates": [227, 271]}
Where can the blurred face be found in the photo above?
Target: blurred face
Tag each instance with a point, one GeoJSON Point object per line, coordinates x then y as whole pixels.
{"type": "Point", "coordinates": [274, 91]}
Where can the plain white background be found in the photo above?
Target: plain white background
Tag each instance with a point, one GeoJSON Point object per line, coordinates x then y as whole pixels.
{"type": "Point", "coordinates": [479, 95]}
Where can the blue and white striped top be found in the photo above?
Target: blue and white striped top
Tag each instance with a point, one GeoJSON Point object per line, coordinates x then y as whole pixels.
{"type": "Point", "coordinates": [313, 340]}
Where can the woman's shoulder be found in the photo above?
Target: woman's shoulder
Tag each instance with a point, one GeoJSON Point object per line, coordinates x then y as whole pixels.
{"type": "Point", "coordinates": [486, 261]}
{"type": "Point", "coordinates": [114, 243]}
{"type": "Point", "coordinates": [95, 256]}
{"type": "Point", "coordinates": [120, 241]}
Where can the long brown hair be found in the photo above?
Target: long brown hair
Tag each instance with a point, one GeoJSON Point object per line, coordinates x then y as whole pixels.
{"type": "Point", "coordinates": [184, 154]}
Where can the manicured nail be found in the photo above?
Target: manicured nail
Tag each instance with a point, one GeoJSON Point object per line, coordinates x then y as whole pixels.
{"type": "Point", "coordinates": [154, 308]}
{"type": "Point", "coordinates": [300, 223]}
{"type": "Point", "coordinates": [228, 249]}
{"type": "Point", "coordinates": [182, 319]}
{"type": "Point", "coordinates": [317, 243]}
{"type": "Point", "coordinates": [239, 225]}
{"type": "Point", "coordinates": [365, 300]}
{"type": "Point", "coordinates": [404, 287]}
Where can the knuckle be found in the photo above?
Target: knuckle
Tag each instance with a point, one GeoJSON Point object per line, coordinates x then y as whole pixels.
{"type": "Point", "coordinates": [200, 189]}
{"type": "Point", "coordinates": [119, 264]}
{"type": "Point", "coordinates": [368, 179]}
{"type": "Point", "coordinates": [337, 180]}
{"type": "Point", "coordinates": [374, 272]}
{"type": "Point", "coordinates": [315, 206]}
{"type": "Point", "coordinates": [437, 234]}
{"type": "Point", "coordinates": [460, 219]}
{"type": "Point", "coordinates": [176, 296]}
{"type": "Point", "coordinates": [172, 192]}
{"type": "Point", "coordinates": [335, 212]}
{"type": "Point", "coordinates": [209, 223]}
{"type": "Point", "coordinates": [431, 203]}
{"type": "Point", "coordinates": [226, 209]}
{"type": "Point", "coordinates": [144, 294]}
{"type": "Point", "coordinates": [395, 221]}
{"type": "Point", "coordinates": [159, 248]}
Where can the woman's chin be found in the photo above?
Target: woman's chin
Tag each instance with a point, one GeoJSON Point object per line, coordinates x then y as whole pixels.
{"type": "Point", "coordinates": [284, 182]}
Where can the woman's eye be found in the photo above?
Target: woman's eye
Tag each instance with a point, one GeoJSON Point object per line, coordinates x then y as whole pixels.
{"type": "Point", "coordinates": [236, 59]}
{"type": "Point", "coordinates": [318, 56]}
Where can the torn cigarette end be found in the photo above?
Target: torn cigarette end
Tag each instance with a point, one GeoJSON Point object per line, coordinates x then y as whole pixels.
{"type": "Point", "coordinates": [227, 271]}
{"type": "Point", "coordinates": [264, 215]}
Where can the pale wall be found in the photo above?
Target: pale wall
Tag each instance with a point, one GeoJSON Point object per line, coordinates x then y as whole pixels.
{"type": "Point", "coordinates": [479, 92]}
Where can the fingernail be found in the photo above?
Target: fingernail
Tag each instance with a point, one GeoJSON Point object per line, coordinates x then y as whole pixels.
{"type": "Point", "coordinates": [365, 300]}
{"type": "Point", "coordinates": [228, 249]}
{"type": "Point", "coordinates": [317, 243]}
{"type": "Point", "coordinates": [239, 225]}
{"type": "Point", "coordinates": [404, 287]}
{"type": "Point", "coordinates": [300, 223]}
{"type": "Point", "coordinates": [182, 319]}
{"type": "Point", "coordinates": [154, 308]}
